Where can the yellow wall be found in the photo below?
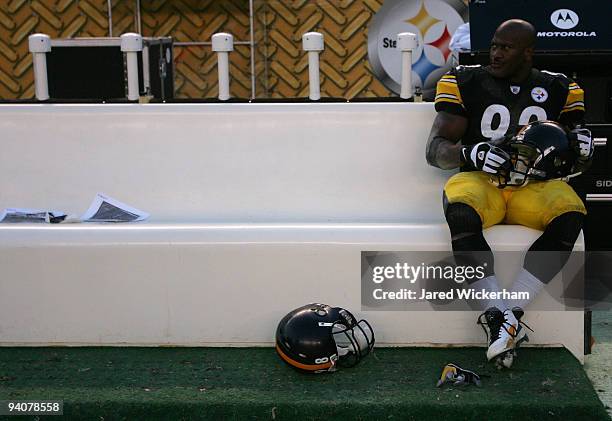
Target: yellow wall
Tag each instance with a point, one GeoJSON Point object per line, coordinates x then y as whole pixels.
{"type": "Point", "coordinates": [281, 66]}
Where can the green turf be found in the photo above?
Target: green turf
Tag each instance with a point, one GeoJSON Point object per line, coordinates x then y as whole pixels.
{"type": "Point", "coordinates": [221, 383]}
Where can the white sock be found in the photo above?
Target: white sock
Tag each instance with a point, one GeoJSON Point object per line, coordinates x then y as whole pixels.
{"type": "Point", "coordinates": [489, 284]}
{"type": "Point", "coordinates": [526, 282]}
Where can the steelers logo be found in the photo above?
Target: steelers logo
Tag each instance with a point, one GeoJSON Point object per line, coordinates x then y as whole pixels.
{"type": "Point", "coordinates": [433, 21]}
{"type": "Point", "coordinates": [539, 94]}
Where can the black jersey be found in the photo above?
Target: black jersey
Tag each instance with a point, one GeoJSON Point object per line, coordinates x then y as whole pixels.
{"type": "Point", "coordinates": [496, 107]}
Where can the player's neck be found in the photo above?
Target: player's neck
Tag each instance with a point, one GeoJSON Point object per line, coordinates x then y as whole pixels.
{"type": "Point", "coordinates": [521, 75]}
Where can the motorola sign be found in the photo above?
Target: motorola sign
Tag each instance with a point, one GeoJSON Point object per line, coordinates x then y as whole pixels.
{"type": "Point", "coordinates": [433, 21]}
{"type": "Point", "coordinates": [564, 18]}
{"type": "Point", "coordinates": [560, 24]}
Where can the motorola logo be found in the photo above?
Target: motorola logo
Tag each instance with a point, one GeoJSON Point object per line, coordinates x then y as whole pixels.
{"type": "Point", "coordinates": [564, 18]}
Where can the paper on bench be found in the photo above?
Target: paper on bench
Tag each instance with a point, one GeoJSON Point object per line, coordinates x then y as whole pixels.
{"type": "Point", "coordinates": [106, 209]}
{"type": "Point", "coordinates": [31, 215]}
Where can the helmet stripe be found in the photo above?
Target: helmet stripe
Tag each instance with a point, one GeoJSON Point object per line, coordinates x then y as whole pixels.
{"type": "Point", "coordinates": [309, 367]}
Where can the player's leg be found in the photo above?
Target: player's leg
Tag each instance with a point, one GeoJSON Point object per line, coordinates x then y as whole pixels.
{"type": "Point", "coordinates": [470, 248]}
{"type": "Point", "coordinates": [471, 202]}
{"type": "Point", "coordinates": [556, 209]}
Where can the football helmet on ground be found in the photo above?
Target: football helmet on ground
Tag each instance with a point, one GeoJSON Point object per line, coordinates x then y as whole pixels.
{"type": "Point", "coordinates": [540, 151]}
{"type": "Point", "coordinates": [319, 338]}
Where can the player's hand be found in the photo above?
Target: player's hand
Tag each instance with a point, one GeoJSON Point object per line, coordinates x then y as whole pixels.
{"type": "Point", "coordinates": [582, 142]}
{"type": "Point", "coordinates": [486, 157]}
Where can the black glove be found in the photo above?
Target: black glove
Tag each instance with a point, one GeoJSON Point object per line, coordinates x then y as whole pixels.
{"type": "Point", "coordinates": [486, 157]}
{"type": "Point", "coordinates": [582, 142]}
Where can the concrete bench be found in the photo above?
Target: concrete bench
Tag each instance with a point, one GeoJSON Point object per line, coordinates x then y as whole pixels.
{"type": "Point", "coordinates": [255, 209]}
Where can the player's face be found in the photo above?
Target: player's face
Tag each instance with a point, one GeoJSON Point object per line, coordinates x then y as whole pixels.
{"type": "Point", "coordinates": [507, 56]}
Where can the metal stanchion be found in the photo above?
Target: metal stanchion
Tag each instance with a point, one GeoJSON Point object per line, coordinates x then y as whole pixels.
{"type": "Point", "coordinates": [406, 43]}
{"type": "Point", "coordinates": [314, 44]}
{"type": "Point", "coordinates": [131, 44]}
{"type": "Point", "coordinates": [223, 44]}
{"type": "Point", "coordinates": [40, 45]}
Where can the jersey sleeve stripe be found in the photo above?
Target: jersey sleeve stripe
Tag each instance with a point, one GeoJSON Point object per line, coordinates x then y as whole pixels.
{"type": "Point", "coordinates": [576, 104]}
{"type": "Point", "coordinates": [448, 91]}
{"type": "Point", "coordinates": [448, 79]}
{"type": "Point", "coordinates": [573, 104]}
{"type": "Point", "coordinates": [454, 101]}
{"type": "Point", "coordinates": [451, 96]}
{"type": "Point", "coordinates": [575, 108]}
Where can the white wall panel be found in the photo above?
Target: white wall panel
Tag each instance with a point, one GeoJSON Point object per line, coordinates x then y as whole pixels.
{"type": "Point", "coordinates": [256, 209]}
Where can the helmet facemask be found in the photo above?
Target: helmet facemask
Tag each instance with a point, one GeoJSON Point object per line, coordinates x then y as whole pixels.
{"type": "Point", "coordinates": [524, 157]}
{"type": "Point", "coordinates": [354, 341]}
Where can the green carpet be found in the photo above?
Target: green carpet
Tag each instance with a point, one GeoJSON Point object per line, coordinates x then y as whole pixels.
{"type": "Point", "coordinates": [221, 383]}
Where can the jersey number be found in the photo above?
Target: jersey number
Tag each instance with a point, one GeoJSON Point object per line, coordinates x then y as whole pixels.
{"type": "Point", "coordinates": [486, 124]}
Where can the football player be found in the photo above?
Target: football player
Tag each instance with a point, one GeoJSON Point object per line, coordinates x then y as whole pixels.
{"type": "Point", "coordinates": [478, 109]}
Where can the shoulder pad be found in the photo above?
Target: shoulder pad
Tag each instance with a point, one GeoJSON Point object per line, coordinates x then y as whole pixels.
{"type": "Point", "coordinates": [465, 73]}
{"type": "Point", "coordinates": [468, 68]}
{"type": "Point", "coordinates": [559, 78]}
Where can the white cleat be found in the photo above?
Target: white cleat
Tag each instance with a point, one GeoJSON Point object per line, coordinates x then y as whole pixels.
{"type": "Point", "coordinates": [505, 334]}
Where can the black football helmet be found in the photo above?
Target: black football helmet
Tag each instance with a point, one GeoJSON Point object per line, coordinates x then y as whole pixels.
{"type": "Point", "coordinates": [318, 338]}
{"type": "Point", "coordinates": [540, 151]}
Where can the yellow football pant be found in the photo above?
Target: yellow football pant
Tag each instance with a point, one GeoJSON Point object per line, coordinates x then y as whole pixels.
{"type": "Point", "coordinates": [533, 205]}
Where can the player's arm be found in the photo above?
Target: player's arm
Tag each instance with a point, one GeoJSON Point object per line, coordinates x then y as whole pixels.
{"type": "Point", "coordinates": [443, 148]}
{"type": "Point", "coordinates": [445, 151]}
{"type": "Point", "coordinates": [572, 116]}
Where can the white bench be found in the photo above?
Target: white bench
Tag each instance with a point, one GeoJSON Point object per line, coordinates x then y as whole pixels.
{"type": "Point", "coordinates": [255, 209]}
